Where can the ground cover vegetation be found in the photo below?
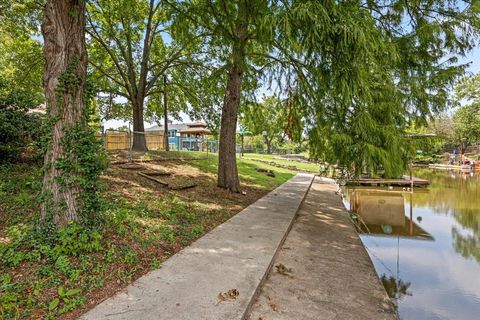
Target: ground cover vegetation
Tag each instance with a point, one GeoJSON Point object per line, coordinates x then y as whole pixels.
{"type": "Point", "coordinates": [350, 78]}
{"type": "Point", "coordinates": [68, 272]}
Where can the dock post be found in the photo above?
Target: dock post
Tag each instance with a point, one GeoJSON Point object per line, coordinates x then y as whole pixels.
{"type": "Point", "coordinates": [410, 165]}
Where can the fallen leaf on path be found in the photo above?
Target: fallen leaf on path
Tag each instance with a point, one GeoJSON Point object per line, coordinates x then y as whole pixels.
{"type": "Point", "coordinates": [231, 294]}
{"type": "Point", "coordinates": [272, 305]}
{"type": "Point", "coordinates": [221, 297]}
{"type": "Point", "coordinates": [283, 270]}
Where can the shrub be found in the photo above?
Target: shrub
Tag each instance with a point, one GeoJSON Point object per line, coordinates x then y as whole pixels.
{"type": "Point", "coordinates": [19, 130]}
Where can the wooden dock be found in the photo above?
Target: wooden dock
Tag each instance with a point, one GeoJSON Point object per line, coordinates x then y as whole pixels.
{"type": "Point", "coordinates": [464, 167]}
{"type": "Point", "coordinates": [405, 181]}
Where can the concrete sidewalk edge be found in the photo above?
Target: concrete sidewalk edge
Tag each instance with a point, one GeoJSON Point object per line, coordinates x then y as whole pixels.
{"type": "Point", "coordinates": [187, 284]}
{"type": "Point", "coordinates": [259, 287]}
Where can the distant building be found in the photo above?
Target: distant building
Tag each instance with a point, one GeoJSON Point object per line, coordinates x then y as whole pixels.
{"type": "Point", "coordinates": [187, 136]}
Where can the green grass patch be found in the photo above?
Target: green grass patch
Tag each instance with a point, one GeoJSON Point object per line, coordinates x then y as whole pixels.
{"type": "Point", "coordinates": [307, 166]}
{"type": "Point", "coordinates": [247, 173]}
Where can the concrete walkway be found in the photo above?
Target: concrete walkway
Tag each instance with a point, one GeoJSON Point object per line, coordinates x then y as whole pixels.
{"type": "Point", "coordinates": [322, 270]}
{"type": "Point", "coordinates": [217, 276]}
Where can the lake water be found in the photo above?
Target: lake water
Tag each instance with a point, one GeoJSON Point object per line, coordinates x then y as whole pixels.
{"type": "Point", "coordinates": [425, 246]}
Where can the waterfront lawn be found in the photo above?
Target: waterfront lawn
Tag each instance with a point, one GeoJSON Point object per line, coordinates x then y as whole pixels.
{"type": "Point", "coordinates": [248, 173]}
{"type": "Point", "coordinates": [306, 166]}
{"type": "Point", "coordinates": [141, 225]}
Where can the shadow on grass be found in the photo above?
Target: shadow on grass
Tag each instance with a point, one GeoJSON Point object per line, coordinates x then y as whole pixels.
{"type": "Point", "coordinates": [247, 172]}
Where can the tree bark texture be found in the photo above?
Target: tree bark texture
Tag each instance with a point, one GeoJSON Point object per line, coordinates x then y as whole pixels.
{"type": "Point", "coordinates": [139, 141]}
{"type": "Point", "coordinates": [63, 29]}
{"type": "Point", "coordinates": [165, 113]}
{"type": "Point", "coordinates": [227, 161]}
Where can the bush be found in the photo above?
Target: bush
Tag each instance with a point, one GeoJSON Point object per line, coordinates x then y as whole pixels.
{"type": "Point", "coordinates": [290, 147]}
{"type": "Point", "coordinates": [19, 131]}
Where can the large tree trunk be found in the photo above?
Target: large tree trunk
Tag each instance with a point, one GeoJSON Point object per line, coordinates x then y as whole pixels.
{"type": "Point", "coordinates": [139, 141]}
{"type": "Point", "coordinates": [63, 29]}
{"type": "Point", "coordinates": [165, 113]}
{"type": "Point", "coordinates": [227, 161]}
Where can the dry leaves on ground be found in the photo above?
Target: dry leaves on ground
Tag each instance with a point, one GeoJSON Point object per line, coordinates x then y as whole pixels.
{"type": "Point", "coordinates": [283, 270]}
{"type": "Point", "coordinates": [272, 305]}
{"type": "Point", "coordinates": [231, 294]}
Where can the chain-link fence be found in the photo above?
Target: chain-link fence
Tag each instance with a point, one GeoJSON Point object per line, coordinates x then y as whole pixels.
{"type": "Point", "coordinates": [203, 144]}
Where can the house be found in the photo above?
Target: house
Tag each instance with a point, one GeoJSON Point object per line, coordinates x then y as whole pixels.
{"type": "Point", "coordinates": [186, 136]}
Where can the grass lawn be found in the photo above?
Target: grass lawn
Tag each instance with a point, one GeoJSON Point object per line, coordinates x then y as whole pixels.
{"type": "Point", "coordinates": [143, 225]}
{"type": "Point", "coordinates": [307, 166]}
{"type": "Point", "coordinates": [208, 162]}
{"type": "Point", "coordinates": [247, 173]}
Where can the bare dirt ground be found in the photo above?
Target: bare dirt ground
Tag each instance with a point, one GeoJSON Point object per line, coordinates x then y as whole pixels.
{"type": "Point", "coordinates": [205, 194]}
{"type": "Point", "coordinates": [322, 270]}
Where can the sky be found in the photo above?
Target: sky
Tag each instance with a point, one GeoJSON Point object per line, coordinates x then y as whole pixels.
{"type": "Point", "coordinates": [473, 58]}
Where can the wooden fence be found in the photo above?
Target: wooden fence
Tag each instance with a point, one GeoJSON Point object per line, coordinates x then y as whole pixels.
{"type": "Point", "coordinates": [122, 140]}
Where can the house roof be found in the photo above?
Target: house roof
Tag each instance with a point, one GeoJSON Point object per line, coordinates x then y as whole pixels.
{"type": "Point", "coordinates": [196, 130]}
{"type": "Point", "coordinates": [197, 124]}
{"type": "Point", "coordinates": [173, 126]}
{"type": "Point", "coordinates": [180, 126]}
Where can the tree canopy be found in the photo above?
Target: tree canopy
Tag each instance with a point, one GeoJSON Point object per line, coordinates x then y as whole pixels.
{"type": "Point", "coordinates": [383, 66]}
{"type": "Point", "coordinates": [355, 74]}
{"type": "Point", "coordinates": [466, 119]}
{"type": "Point", "coordinates": [460, 128]}
{"type": "Point", "coordinates": [267, 118]}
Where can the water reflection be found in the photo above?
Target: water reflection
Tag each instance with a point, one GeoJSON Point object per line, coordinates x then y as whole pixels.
{"type": "Point", "coordinates": [457, 193]}
{"type": "Point", "coordinates": [395, 288]}
{"type": "Point", "coordinates": [382, 212]}
{"type": "Point", "coordinates": [425, 246]}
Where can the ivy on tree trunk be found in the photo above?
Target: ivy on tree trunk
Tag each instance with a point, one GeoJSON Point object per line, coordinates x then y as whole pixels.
{"type": "Point", "coordinates": [72, 161]}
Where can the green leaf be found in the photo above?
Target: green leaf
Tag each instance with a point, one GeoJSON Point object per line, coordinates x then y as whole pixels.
{"type": "Point", "coordinates": [72, 292]}
{"type": "Point", "coordinates": [53, 304]}
{"type": "Point", "coordinates": [61, 291]}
